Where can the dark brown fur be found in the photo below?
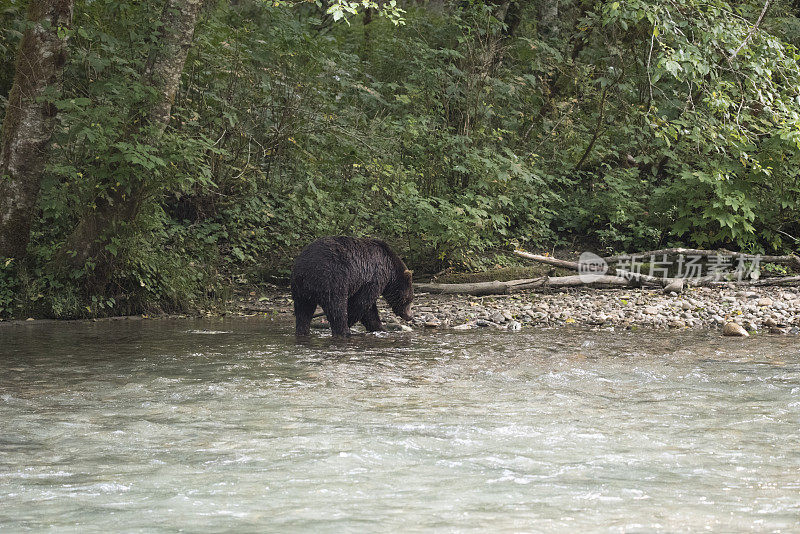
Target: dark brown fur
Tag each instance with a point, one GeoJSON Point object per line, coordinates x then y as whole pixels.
{"type": "Point", "coordinates": [345, 276]}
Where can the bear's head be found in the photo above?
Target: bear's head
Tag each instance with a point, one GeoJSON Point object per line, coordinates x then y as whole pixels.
{"type": "Point", "coordinates": [401, 296]}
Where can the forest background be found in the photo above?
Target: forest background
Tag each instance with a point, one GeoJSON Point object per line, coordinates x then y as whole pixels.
{"type": "Point", "coordinates": [176, 149]}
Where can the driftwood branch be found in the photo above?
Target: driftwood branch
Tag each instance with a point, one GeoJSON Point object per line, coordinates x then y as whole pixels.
{"type": "Point", "coordinates": [753, 29]}
{"type": "Point", "coordinates": [573, 265]}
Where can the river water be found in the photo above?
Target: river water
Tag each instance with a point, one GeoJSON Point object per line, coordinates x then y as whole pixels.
{"type": "Point", "coordinates": [219, 425]}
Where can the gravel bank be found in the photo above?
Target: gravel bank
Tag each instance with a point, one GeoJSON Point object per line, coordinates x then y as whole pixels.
{"type": "Point", "coordinates": [771, 309]}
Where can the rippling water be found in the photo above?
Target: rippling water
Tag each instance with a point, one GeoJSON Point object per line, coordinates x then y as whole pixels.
{"type": "Point", "coordinates": [231, 425]}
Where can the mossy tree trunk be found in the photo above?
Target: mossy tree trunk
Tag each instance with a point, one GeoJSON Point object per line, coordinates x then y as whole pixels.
{"type": "Point", "coordinates": [30, 119]}
{"type": "Point", "coordinates": [548, 19]}
{"type": "Point", "coordinates": [165, 66]}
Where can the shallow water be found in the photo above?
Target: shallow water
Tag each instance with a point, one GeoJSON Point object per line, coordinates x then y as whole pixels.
{"type": "Point", "coordinates": [230, 425]}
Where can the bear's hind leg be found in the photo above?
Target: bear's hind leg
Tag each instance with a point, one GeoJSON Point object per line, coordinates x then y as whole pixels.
{"type": "Point", "coordinates": [371, 320]}
{"type": "Point", "coordinates": [336, 312]}
{"type": "Point", "coordinates": [303, 313]}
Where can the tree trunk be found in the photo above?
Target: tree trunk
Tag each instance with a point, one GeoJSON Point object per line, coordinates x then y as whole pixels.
{"type": "Point", "coordinates": [163, 73]}
{"type": "Point", "coordinates": [548, 19]}
{"type": "Point", "coordinates": [30, 119]}
{"type": "Point", "coordinates": [165, 66]}
{"type": "Point", "coordinates": [366, 44]}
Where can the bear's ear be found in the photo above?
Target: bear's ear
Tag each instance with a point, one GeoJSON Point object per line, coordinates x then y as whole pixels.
{"type": "Point", "coordinates": [407, 273]}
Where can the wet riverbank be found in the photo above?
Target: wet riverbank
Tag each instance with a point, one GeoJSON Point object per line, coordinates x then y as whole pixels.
{"type": "Point", "coordinates": [759, 310]}
{"type": "Point", "coordinates": [771, 310]}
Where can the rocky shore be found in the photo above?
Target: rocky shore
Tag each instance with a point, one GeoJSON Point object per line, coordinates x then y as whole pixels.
{"type": "Point", "coordinates": [773, 310]}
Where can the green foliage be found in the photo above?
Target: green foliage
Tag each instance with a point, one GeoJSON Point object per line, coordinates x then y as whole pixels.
{"type": "Point", "coordinates": [723, 126]}
{"type": "Point", "coordinates": [627, 125]}
{"type": "Point", "coordinates": [8, 289]}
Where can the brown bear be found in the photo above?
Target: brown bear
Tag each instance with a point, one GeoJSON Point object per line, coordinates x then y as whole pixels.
{"type": "Point", "coordinates": [345, 276]}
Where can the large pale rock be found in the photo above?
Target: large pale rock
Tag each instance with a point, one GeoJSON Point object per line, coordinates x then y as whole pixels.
{"type": "Point", "coordinates": [734, 329]}
{"type": "Point", "coordinates": [675, 285]}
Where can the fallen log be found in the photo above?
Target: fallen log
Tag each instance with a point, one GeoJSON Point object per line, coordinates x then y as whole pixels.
{"type": "Point", "coordinates": [480, 289]}
{"type": "Point", "coordinates": [626, 279]}
{"type": "Point", "coordinates": [774, 281]}
{"type": "Point", "coordinates": [708, 281]}
{"type": "Point", "coordinates": [477, 289]}
{"type": "Point", "coordinates": [576, 281]}
{"type": "Point", "coordinates": [790, 259]}
{"type": "Point", "coordinates": [612, 278]}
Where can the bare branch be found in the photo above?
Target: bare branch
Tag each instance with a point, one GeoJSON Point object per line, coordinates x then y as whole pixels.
{"type": "Point", "coordinates": [753, 29]}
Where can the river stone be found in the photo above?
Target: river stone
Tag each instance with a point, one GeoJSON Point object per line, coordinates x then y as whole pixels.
{"type": "Point", "coordinates": [651, 310]}
{"type": "Point", "coordinates": [497, 318]}
{"type": "Point", "coordinates": [465, 326]}
{"type": "Point", "coordinates": [728, 298]}
{"type": "Point", "coordinates": [765, 301]}
{"type": "Point", "coordinates": [674, 286]}
{"type": "Point", "coordinates": [734, 329]}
